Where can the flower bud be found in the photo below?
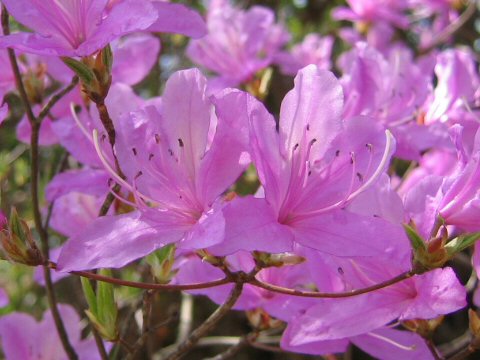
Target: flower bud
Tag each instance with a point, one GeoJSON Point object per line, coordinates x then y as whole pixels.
{"type": "Point", "coordinates": [161, 264]}
{"type": "Point", "coordinates": [95, 73]}
{"type": "Point", "coordinates": [424, 328]}
{"type": "Point", "coordinates": [265, 260]}
{"type": "Point", "coordinates": [16, 242]}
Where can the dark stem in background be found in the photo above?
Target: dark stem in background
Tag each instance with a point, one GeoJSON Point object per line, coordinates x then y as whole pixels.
{"type": "Point", "coordinates": [208, 324]}
{"type": "Point", "coordinates": [34, 153]}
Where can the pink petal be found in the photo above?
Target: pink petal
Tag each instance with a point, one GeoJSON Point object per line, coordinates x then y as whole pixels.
{"type": "Point", "coordinates": [135, 56]}
{"type": "Point", "coordinates": [186, 117]}
{"type": "Point", "coordinates": [313, 106]}
{"type": "Point", "coordinates": [227, 156]}
{"type": "Point", "coordinates": [380, 343]}
{"type": "Point", "coordinates": [114, 241]}
{"type": "Point", "coordinates": [251, 224]}
{"type": "Point", "coordinates": [179, 19]}
{"type": "Point", "coordinates": [343, 233]}
{"type": "Point", "coordinates": [87, 181]}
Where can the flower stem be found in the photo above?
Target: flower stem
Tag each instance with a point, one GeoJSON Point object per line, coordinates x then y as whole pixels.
{"type": "Point", "coordinates": [315, 294]}
{"type": "Point", "coordinates": [208, 324]}
{"type": "Point", "coordinates": [34, 154]}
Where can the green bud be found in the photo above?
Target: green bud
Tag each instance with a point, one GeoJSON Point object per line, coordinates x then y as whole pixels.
{"type": "Point", "coordinates": [82, 70]}
{"type": "Point", "coordinates": [102, 312]}
{"type": "Point", "coordinates": [17, 244]}
{"type": "Point", "coordinates": [161, 263]}
{"type": "Point", "coordinates": [461, 243]}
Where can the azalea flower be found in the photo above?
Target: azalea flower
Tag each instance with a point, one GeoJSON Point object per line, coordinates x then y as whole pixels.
{"type": "Point", "coordinates": [80, 28]}
{"type": "Point", "coordinates": [314, 49]}
{"type": "Point", "coordinates": [179, 162]}
{"type": "Point", "coordinates": [239, 43]}
{"type": "Point", "coordinates": [19, 335]}
{"type": "Point", "coordinates": [310, 171]}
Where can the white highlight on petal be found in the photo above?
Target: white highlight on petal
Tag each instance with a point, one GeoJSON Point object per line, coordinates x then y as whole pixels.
{"type": "Point", "coordinates": [390, 142]}
{"type": "Point", "coordinates": [391, 342]}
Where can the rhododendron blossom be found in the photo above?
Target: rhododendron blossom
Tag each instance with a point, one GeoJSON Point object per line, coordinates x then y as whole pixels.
{"type": "Point", "coordinates": [317, 183]}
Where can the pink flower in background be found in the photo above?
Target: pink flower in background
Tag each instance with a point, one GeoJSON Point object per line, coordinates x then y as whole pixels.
{"type": "Point", "coordinates": [314, 49]}
{"type": "Point", "coordinates": [392, 89]}
{"type": "Point", "coordinates": [22, 337]}
{"type": "Point", "coordinates": [76, 27]}
{"type": "Point", "coordinates": [388, 11]}
{"type": "Point", "coordinates": [239, 43]}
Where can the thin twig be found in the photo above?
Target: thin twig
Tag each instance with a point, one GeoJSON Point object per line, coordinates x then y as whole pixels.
{"type": "Point", "coordinates": [463, 354]}
{"type": "Point", "coordinates": [208, 324]}
{"type": "Point", "coordinates": [34, 153]}
{"type": "Point", "coordinates": [146, 286]}
{"type": "Point", "coordinates": [147, 311]}
{"type": "Point", "coordinates": [56, 98]}
{"type": "Point", "coordinates": [235, 349]}
{"type": "Point", "coordinates": [433, 350]}
{"type": "Point", "coordinates": [452, 28]}
{"type": "Point", "coordinates": [315, 294]}
{"type": "Point", "coordinates": [186, 318]}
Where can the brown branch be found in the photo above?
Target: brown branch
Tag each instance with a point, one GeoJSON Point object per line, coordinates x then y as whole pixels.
{"type": "Point", "coordinates": [56, 98]}
{"type": "Point", "coordinates": [208, 324]}
{"type": "Point", "coordinates": [315, 294]}
{"type": "Point", "coordinates": [34, 153]}
{"type": "Point", "coordinates": [433, 350]}
{"type": "Point", "coordinates": [147, 311]}
{"type": "Point", "coordinates": [452, 28]}
{"type": "Point", "coordinates": [244, 341]}
{"type": "Point", "coordinates": [146, 286]}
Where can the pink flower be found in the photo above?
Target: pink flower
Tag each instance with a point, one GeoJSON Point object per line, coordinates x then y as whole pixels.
{"type": "Point", "coordinates": [313, 49]}
{"type": "Point", "coordinates": [239, 43]}
{"type": "Point", "coordinates": [423, 296]}
{"type": "Point", "coordinates": [310, 171]}
{"type": "Point", "coordinates": [179, 161]}
{"type": "Point", "coordinates": [24, 338]}
{"type": "Point", "coordinates": [389, 11]}
{"type": "Point", "coordinates": [75, 27]}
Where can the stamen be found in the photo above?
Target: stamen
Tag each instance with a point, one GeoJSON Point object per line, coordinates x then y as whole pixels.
{"type": "Point", "coordinates": [392, 342]}
{"type": "Point", "coordinates": [79, 123]}
{"type": "Point", "coordinates": [106, 164]}
{"type": "Point", "coordinates": [379, 171]}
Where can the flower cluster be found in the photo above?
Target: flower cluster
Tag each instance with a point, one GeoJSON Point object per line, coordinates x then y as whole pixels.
{"type": "Point", "coordinates": [335, 221]}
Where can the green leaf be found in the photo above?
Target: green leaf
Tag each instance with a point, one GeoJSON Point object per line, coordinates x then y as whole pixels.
{"type": "Point", "coordinates": [83, 71]}
{"type": "Point", "coordinates": [107, 58]}
{"type": "Point", "coordinates": [462, 242]}
{"type": "Point", "coordinates": [106, 306]}
{"type": "Point", "coordinates": [415, 239]}
{"type": "Point", "coordinates": [89, 295]}
{"type": "Point", "coordinates": [161, 262]}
